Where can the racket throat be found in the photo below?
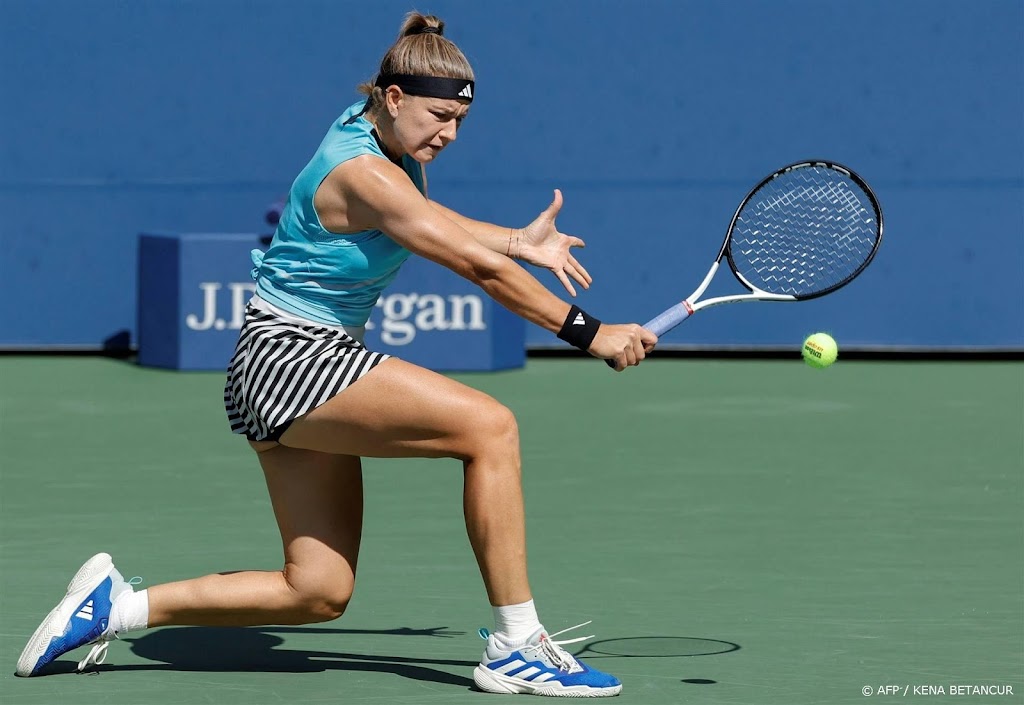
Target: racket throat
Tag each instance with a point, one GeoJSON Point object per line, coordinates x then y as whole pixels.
{"type": "Point", "coordinates": [700, 289]}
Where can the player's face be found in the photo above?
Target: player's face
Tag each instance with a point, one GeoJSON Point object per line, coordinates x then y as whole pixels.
{"type": "Point", "coordinates": [425, 126]}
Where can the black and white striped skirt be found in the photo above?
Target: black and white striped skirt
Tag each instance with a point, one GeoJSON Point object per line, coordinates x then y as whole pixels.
{"type": "Point", "coordinates": [284, 367]}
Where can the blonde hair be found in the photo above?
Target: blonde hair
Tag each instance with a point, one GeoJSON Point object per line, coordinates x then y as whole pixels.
{"type": "Point", "coordinates": [416, 53]}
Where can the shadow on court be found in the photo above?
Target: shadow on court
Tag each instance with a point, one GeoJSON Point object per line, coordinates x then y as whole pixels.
{"type": "Point", "coordinates": [234, 649]}
{"type": "Point", "coordinates": [258, 649]}
{"type": "Point", "coordinates": [655, 647]}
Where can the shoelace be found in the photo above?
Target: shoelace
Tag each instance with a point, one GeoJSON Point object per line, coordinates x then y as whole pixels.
{"type": "Point", "coordinates": [553, 649]}
{"type": "Point", "coordinates": [556, 654]}
{"type": "Point", "coordinates": [98, 653]}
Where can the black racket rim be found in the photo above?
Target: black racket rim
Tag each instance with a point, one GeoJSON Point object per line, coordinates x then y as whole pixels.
{"type": "Point", "coordinates": [846, 171]}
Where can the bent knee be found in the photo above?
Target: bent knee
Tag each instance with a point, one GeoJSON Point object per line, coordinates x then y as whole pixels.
{"type": "Point", "coordinates": [324, 608]}
{"type": "Point", "coordinates": [493, 429]}
{"type": "Point", "coordinates": [319, 601]}
{"type": "Point", "coordinates": [503, 425]}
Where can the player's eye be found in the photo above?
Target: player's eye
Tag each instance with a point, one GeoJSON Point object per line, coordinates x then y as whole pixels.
{"type": "Point", "coordinates": [445, 117]}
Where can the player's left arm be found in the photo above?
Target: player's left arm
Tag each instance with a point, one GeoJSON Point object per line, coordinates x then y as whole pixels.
{"type": "Point", "coordinates": [539, 243]}
{"type": "Point", "coordinates": [494, 237]}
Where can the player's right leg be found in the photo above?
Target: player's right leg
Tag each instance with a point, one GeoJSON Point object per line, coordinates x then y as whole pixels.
{"type": "Point", "coordinates": [401, 410]}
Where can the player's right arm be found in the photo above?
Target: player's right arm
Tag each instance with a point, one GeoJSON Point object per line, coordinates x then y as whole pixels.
{"type": "Point", "coordinates": [376, 194]}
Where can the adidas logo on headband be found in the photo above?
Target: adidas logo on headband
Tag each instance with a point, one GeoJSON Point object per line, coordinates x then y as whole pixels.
{"type": "Point", "coordinates": [467, 92]}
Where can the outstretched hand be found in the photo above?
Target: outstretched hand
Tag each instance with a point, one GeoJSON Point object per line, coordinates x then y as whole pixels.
{"type": "Point", "coordinates": [543, 246]}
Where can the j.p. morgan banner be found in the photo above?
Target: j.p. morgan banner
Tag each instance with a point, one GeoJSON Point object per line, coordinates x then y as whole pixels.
{"type": "Point", "coordinates": [193, 290]}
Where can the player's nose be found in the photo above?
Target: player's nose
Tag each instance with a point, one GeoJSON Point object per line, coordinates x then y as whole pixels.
{"type": "Point", "coordinates": [449, 132]}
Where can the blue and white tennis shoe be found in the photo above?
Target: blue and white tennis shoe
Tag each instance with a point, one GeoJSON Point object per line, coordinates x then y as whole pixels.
{"type": "Point", "coordinates": [82, 617]}
{"type": "Point", "coordinates": [540, 667]}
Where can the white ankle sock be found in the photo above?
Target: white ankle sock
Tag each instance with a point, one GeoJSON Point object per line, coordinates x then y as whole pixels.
{"type": "Point", "coordinates": [130, 612]}
{"type": "Point", "coordinates": [515, 623]}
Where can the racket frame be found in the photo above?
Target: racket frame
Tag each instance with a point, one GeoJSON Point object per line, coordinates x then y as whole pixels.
{"type": "Point", "coordinates": [756, 294]}
{"type": "Point", "coordinates": [670, 318]}
{"type": "Point", "coordinates": [845, 171]}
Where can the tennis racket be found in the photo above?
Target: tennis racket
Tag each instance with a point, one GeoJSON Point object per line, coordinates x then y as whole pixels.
{"type": "Point", "coordinates": [803, 232]}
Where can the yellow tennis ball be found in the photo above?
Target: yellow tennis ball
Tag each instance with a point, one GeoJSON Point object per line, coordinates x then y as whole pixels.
{"type": "Point", "coordinates": [820, 350]}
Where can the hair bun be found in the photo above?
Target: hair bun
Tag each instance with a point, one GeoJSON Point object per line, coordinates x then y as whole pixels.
{"type": "Point", "coordinates": [415, 23]}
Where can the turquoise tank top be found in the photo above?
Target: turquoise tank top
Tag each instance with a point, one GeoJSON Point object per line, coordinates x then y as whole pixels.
{"type": "Point", "coordinates": [320, 275]}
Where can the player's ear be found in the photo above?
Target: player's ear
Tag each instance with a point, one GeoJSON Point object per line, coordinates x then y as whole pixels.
{"type": "Point", "coordinates": [393, 97]}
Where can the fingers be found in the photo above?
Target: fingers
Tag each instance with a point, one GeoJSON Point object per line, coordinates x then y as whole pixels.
{"type": "Point", "coordinates": [581, 277]}
{"type": "Point", "coordinates": [556, 205]}
{"type": "Point", "coordinates": [639, 342]}
{"type": "Point", "coordinates": [631, 357]}
{"type": "Point", "coordinates": [632, 354]}
{"type": "Point", "coordinates": [565, 281]}
{"type": "Point", "coordinates": [639, 350]}
{"type": "Point", "coordinates": [648, 338]}
{"type": "Point", "coordinates": [620, 362]}
{"type": "Point", "coordinates": [582, 271]}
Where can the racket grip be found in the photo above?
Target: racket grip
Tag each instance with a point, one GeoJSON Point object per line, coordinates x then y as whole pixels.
{"type": "Point", "coordinates": [669, 319]}
{"type": "Point", "coordinates": [664, 322]}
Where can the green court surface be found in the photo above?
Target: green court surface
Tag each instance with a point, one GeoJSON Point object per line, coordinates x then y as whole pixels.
{"type": "Point", "coordinates": [743, 531]}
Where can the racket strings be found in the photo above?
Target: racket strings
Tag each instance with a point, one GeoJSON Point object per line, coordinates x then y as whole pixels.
{"type": "Point", "coordinates": [804, 232]}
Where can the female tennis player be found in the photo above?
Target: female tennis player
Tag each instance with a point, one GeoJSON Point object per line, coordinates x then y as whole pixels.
{"type": "Point", "coordinates": [312, 400]}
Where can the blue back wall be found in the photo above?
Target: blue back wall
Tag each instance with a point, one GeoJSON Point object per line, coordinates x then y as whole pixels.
{"type": "Point", "coordinates": [653, 118]}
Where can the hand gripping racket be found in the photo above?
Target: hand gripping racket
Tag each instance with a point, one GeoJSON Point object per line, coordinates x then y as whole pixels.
{"type": "Point", "coordinates": [803, 232]}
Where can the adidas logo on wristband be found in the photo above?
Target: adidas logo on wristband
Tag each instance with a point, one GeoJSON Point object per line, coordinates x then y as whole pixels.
{"type": "Point", "coordinates": [579, 329]}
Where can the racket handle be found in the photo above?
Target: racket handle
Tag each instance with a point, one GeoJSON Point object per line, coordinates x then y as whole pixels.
{"type": "Point", "coordinates": [664, 322]}
{"type": "Point", "coordinates": [669, 319]}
